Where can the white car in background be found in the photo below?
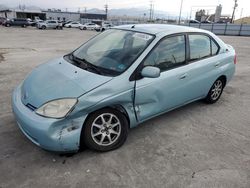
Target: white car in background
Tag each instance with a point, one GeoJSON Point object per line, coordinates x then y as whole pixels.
{"type": "Point", "coordinates": [104, 27]}
{"type": "Point", "coordinates": [90, 26]}
{"type": "Point", "coordinates": [49, 24]}
{"type": "Point", "coordinates": [73, 25]}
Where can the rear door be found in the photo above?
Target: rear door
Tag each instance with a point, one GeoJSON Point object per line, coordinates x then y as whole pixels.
{"type": "Point", "coordinates": [49, 24]}
{"type": "Point", "coordinates": [53, 24]}
{"type": "Point", "coordinates": [203, 63]}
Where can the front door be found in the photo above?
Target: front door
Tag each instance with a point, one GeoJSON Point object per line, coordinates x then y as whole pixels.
{"type": "Point", "coordinates": [156, 95]}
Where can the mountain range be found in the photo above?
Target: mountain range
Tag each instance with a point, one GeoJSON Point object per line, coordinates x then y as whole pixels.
{"type": "Point", "coordinates": [129, 12]}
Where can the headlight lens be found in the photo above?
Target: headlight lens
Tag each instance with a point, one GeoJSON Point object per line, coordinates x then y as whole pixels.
{"type": "Point", "coordinates": [57, 109]}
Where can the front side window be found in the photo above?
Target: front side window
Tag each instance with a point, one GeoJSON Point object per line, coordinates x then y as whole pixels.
{"type": "Point", "coordinates": [114, 50]}
{"type": "Point", "coordinates": [169, 53]}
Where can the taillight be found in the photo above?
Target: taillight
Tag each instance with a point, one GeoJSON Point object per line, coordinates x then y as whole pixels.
{"type": "Point", "coordinates": [235, 59]}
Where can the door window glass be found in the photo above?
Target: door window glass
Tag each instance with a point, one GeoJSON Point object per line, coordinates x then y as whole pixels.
{"type": "Point", "coordinates": [214, 47]}
{"type": "Point", "coordinates": [199, 47]}
{"type": "Point", "coordinates": [169, 53]}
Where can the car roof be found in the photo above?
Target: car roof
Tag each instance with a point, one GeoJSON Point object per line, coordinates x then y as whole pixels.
{"type": "Point", "coordinates": [159, 28]}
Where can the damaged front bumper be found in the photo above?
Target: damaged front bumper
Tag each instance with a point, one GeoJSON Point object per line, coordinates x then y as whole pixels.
{"type": "Point", "coordinates": [59, 135]}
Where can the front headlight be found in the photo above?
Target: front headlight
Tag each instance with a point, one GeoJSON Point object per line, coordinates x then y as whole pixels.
{"type": "Point", "coordinates": [57, 109]}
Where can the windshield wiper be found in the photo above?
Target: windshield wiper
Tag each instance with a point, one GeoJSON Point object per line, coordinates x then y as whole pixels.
{"type": "Point", "coordinates": [94, 68]}
{"type": "Point", "coordinates": [86, 65]}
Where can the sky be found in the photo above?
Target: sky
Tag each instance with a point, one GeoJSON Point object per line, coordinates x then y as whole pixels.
{"type": "Point", "coordinates": [170, 6]}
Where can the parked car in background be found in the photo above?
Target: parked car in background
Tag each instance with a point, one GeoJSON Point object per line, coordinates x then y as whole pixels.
{"type": "Point", "coordinates": [104, 27]}
{"type": "Point", "coordinates": [35, 22]}
{"type": "Point", "coordinates": [23, 22]}
{"type": "Point", "coordinates": [221, 22]}
{"type": "Point", "coordinates": [207, 22]}
{"type": "Point", "coordinates": [117, 80]}
{"type": "Point", "coordinates": [193, 21]}
{"type": "Point", "coordinates": [64, 23]}
{"type": "Point", "coordinates": [49, 24]}
{"type": "Point", "coordinates": [73, 25]}
{"type": "Point", "coordinates": [90, 26]}
{"type": "Point", "coordinates": [2, 20]}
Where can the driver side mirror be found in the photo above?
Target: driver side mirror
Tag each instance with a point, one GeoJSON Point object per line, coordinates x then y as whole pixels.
{"type": "Point", "coordinates": [150, 72]}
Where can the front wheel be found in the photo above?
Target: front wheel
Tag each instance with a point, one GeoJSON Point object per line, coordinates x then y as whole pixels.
{"type": "Point", "coordinates": [215, 91]}
{"type": "Point", "coordinates": [105, 130]}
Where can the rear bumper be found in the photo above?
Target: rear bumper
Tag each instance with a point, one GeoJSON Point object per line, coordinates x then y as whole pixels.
{"type": "Point", "coordinates": [59, 135]}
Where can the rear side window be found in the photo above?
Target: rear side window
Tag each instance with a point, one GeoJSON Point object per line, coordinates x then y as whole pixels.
{"type": "Point", "coordinates": [214, 47]}
{"type": "Point", "coordinates": [201, 46]}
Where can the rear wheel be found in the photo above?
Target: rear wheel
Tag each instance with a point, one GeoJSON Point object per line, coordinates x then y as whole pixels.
{"type": "Point", "coordinates": [43, 27]}
{"type": "Point", "coordinates": [215, 91]}
{"type": "Point", "coordinates": [24, 25]}
{"type": "Point", "coordinates": [105, 130]}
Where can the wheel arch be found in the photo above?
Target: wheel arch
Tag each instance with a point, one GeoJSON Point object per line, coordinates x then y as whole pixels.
{"type": "Point", "coordinates": [117, 107]}
{"type": "Point", "coordinates": [224, 79]}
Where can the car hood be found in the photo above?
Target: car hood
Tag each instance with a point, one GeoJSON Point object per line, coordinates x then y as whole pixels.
{"type": "Point", "coordinates": [58, 79]}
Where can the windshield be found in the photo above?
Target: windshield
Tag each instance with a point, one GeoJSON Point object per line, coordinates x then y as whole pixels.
{"type": "Point", "coordinates": [113, 50]}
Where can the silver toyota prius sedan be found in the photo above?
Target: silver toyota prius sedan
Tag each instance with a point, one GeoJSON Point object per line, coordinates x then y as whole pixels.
{"type": "Point", "coordinates": [117, 80]}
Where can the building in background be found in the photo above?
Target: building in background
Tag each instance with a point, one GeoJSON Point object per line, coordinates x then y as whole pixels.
{"type": "Point", "coordinates": [50, 14]}
{"type": "Point", "coordinates": [217, 14]}
{"type": "Point", "coordinates": [202, 16]}
{"type": "Point", "coordinates": [57, 14]}
{"type": "Point", "coordinates": [22, 13]}
{"type": "Point", "coordinates": [91, 17]}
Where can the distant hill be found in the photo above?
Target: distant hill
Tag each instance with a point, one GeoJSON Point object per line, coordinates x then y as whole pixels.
{"type": "Point", "coordinates": [130, 12]}
{"type": "Point", "coordinates": [245, 20]}
{"type": "Point", "coordinates": [133, 12]}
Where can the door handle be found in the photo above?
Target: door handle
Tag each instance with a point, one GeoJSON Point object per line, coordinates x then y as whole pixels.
{"type": "Point", "coordinates": [217, 64]}
{"type": "Point", "coordinates": [183, 76]}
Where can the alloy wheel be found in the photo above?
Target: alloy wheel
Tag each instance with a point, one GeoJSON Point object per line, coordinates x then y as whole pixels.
{"type": "Point", "coordinates": [216, 90]}
{"type": "Point", "coordinates": [105, 129]}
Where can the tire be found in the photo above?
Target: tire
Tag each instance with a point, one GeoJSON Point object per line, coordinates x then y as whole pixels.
{"type": "Point", "coordinates": [215, 91]}
{"type": "Point", "coordinates": [43, 27]}
{"type": "Point", "coordinates": [7, 25]}
{"type": "Point", "coordinates": [98, 133]}
{"type": "Point", "coordinates": [69, 26]}
{"type": "Point", "coordinates": [103, 29]}
{"type": "Point", "coordinates": [24, 25]}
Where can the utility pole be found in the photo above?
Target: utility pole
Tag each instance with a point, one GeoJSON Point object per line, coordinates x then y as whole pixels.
{"type": "Point", "coordinates": [234, 8]}
{"type": "Point", "coordinates": [150, 10]}
{"type": "Point", "coordinates": [180, 12]}
{"type": "Point", "coordinates": [153, 11]}
{"type": "Point", "coordinates": [106, 10]}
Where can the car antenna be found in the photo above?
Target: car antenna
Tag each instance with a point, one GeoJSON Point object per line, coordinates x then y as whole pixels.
{"type": "Point", "coordinates": [133, 26]}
